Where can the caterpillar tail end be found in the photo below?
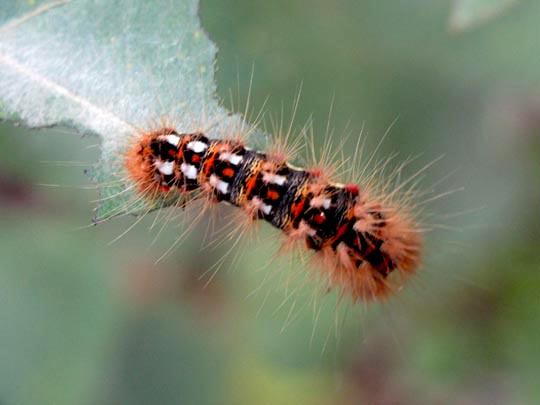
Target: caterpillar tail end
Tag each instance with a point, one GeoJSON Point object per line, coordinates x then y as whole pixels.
{"type": "Point", "coordinates": [386, 251]}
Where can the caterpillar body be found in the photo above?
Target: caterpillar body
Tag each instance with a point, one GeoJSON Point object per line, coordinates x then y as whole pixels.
{"type": "Point", "coordinates": [359, 240]}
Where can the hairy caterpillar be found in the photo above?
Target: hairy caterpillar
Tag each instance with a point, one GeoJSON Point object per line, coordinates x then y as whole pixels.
{"type": "Point", "coordinates": [364, 244]}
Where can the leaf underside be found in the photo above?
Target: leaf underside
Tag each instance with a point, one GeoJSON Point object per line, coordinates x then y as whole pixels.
{"type": "Point", "coordinates": [110, 69]}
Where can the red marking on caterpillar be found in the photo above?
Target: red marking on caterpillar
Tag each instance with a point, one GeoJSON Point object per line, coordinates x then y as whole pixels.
{"type": "Point", "coordinates": [364, 243]}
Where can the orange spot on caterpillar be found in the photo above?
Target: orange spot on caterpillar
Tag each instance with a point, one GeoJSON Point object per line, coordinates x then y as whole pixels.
{"type": "Point", "coordinates": [319, 218]}
{"type": "Point", "coordinates": [273, 195]}
{"type": "Point", "coordinates": [250, 184]}
{"type": "Point", "coordinates": [228, 172]}
{"type": "Point", "coordinates": [209, 162]}
{"type": "Point", "coordinates": [352, 188]}
{"type": "Point", "coordinates": [297, 209]}
{"type": "Point", "coordinates": [315, 173]}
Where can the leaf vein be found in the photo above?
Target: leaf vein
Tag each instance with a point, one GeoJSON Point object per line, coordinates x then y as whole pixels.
{"type": "Point", "coordinates": [37, 11]}
{"type": "Point", "coordinates": [56, 88]}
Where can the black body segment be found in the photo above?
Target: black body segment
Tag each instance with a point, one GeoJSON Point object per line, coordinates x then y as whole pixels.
{"type": "Point", "coordinates": [287, 197]}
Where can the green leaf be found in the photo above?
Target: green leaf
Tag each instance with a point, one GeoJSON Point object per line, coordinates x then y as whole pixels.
{"type": "Point", "coordinates": [109, 68]}
{"type": "Point", "coordinates": [467, 14]}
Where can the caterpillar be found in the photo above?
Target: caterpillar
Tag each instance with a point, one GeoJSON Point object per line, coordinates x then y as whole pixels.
{"type": "Point", "coordinates": [364, 245]}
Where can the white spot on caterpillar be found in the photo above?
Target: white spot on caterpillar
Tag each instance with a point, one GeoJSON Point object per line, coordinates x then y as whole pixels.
{"type": "Point", "coordinates": [165, 167]}
{"type": "Point", "coordinates": [320, 201]}
{"type": "Point", "coordinates": [261, 206]}
{"type": "Point", "coordinates": [267, 209]}
{"type": "Point", "coordinates": [306, 229]}
{"type": "Point", "coordinates": [273, 178]}
{"type": "Point", "coordinates": [172, 139]}
{"type": "Point", "coordinates": [197, 146]}
{"type": "Point", "coordinates": [189, 171]}
{"type": "Point", "coordinates": [231, 157]}
{"type": "Point", "coordinates": [217, 183]}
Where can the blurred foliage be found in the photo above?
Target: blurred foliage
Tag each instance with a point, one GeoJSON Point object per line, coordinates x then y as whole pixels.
{"type": "Point", "coordinates": [467, 14]}
{"type": "Point", "coordinates": [88, 322]}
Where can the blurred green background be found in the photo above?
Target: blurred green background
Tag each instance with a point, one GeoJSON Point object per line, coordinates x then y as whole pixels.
{"type": "Point", "coordinates": [85, 322]}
